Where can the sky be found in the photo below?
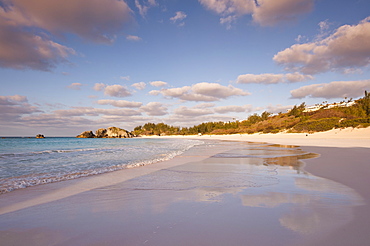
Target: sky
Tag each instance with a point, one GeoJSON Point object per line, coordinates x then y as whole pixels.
{"type": "Point", "coordinates": [76, 65]}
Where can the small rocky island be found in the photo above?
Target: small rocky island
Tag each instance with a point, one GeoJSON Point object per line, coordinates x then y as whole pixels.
{"type": "Point", "coordinates": [110, 132]}
{"type": "Point", "coordinates": [40, 136]}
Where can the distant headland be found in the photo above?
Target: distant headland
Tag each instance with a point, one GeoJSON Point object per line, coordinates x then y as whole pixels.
{"type": "Point", "coordinates": [299, 119]}
{"type": "Point", "coordinates": [110, 132]}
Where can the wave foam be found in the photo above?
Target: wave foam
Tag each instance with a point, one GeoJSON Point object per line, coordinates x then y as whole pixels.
{"type": "Point", "coordinates": [20, 182]}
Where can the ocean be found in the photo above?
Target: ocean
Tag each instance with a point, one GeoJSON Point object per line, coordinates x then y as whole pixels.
{"type": "Point", "coordinates": [27, 162]}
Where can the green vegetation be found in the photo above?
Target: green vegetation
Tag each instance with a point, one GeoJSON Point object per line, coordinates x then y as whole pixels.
{"type": "Point", "coordinates": [159, 129]}
{"type": "Point", "coordinates": [297, 111]}
{"type": "Point", "coordinates": [296, 120]}
{"type": "Point", "coordinates": [319, 125]}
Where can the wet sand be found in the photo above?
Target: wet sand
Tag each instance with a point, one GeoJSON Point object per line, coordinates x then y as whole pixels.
{"type": "Point", "coordinates": [344, 158]}
{"type": "Point", "coordinates": [215, 195]}
{"type": "Point", "coordinates": [351, 167]}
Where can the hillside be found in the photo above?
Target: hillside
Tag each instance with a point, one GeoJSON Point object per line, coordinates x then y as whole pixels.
{"type": "Point", "coordinates": [297, 120]}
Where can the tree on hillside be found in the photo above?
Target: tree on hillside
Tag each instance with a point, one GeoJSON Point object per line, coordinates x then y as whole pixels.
{"type": "Point", "coordinates": [265, 115]}
{"type": "Point", "coordinates": [254, 118]}
{"type": "Point", "coordinates": [363, 106]}
{"type": "Point", "coordinates": [366, 103]}
{"type": "Point", "coordinates": [297, 111]}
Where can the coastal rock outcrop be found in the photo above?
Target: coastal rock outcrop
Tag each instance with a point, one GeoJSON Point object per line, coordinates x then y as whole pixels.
{"type": "Point", "coordinates": [86, 134]}
{"type": "Point", "coordinates": [101, 133]}
{"type": "Point", "coordinates": [115, 132]}
{"type": "Point", "coordinates": [110, 132]}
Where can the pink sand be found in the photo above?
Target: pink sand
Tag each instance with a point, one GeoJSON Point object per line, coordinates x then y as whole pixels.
{"type": "Point", "coordinates": [197, 200]}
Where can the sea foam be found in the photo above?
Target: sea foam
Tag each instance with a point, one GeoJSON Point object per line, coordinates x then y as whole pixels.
{"type": "Point", "coordinates": [58, 159]}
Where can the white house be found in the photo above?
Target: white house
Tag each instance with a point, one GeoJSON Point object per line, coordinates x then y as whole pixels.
{"type": "Point", "coordinates": [332, 105]}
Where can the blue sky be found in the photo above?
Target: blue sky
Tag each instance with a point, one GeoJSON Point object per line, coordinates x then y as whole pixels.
{"type": "Point", "coordinates": [70, 66]}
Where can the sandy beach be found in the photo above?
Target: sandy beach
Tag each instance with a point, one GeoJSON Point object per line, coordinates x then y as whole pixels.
{"type": "Point", "coordinates": [239, 191]}
{"type": "Point", "coordinates": [344, 158]}
{"type": "Point", "coordinates": [348, 137]}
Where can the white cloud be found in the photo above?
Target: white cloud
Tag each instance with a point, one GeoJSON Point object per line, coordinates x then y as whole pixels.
{"type": "Point", "coordinates": [175, 92]}
{"type": "Point", "coordinates": [278, 108]}
{"type": "Point", "coordinates": [112, 90]}
{"type": "Point", "coordinates": [17, 50]}
{"type": "Point", "coordinates": [299, 38]}
{"type": "Point", "coordinates": [324, 25]}
{"type": "Point", "coordinates": [227, 7]}
{"type": "Point", "coordinates": [194, 111]}
{"type": "Point", "coordinates": [158, 83]}
{"type": "Point", "coordinates": [13, 107]}
{"type": "Point", "coordinates": [231, 109]}
{"type": "Point", "coordinates": [120, 103]}
{"type": "Point", "coordinates": [217, 90]}
{"type": "Point", "coordinates": [70, 121]}
{"type": "Point", "coordinates": [204, 105]}
{"type": "Point", "coordinates": [152, 2]}
{"type": "Point", "coordinates": [143, 8]}
{"type": "Point", "coordinates": [323, 28]}
{"type": "Point", "coordinates": [269, 13]}
{"type": "Point", "coordinates": [133, 38]}
{"type": "Point", "coordinates": [269, 78]}
{"type": "Point", "coordinates": [125, 78]}
{"type": "Point", "coordinates": [204, 91]}
{"type": "Point", "coordinates": [297, 77]}
{"type": "Point", "coordinates": [90, 111]}
{"type": "Point", "coordinates": [154, 92]}
{"type": "Point", "coordinates": [116, 91]}
{"type": "Point", "coordinates": [228, 21]}
{"type": "Point", "coordinates": [336, 89]}
{"type": "Point", "coordinates": [347, 48]}
{"type": "Point", "coordinates": [139, 86]}
{"type": "Point", "coordinates": [75, 86]}
{"type": "Point", "coordinates": [210, 109]}
{"type": "Point", "coordinates": [11, 100]}
{"type": "Point", "coordinates": [99, 86]}
{"type": "Point", "coordinates": [57, 121]}
{"type": "Point", "coordinates": [26, 28]}
{"type": "Point", "coordinates": [264, 12]}
{"type": "Point", "coordinates": [154, 109]}
{"type": "Point", "coordinates": [118, 112]}
{"type": "Point", "coordinates": [180, 16]}
{"type": "Point", "coordinates": [95, 20]}
{"type": "Point", "coordinates": [180, 120]}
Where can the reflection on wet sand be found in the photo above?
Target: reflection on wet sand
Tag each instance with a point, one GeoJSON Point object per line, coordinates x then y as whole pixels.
{"type": "Point", "coordinates": [275, 173]}
{"type": "Point", "coordinates": [235, 196]}
{"type": "Point", "coordinates": [261, 176]}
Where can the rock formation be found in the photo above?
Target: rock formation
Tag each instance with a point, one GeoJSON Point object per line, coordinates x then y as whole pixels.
{"type": "Point", "coordinates": [86, 134]}
{"type": "Point", "coordinates": [110, 132]}
{"type": "Point", "coordinates": [40, 136]}
{"type": "Point", "coordinates": [101, 133]}
{"type": "Point", "coordinates": [115, 132]}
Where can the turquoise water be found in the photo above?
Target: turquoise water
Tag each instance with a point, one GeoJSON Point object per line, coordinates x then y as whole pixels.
{"type": "Point", "coordinates": [29, 161]}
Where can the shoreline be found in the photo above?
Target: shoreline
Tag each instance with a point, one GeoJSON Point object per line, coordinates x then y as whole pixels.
{"type": "Point", "coordinates": [110, 191]}
{"type": "Point", "coordinates": [343, 158]}
{"type": "Point", "coordinates": [347, 137]}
